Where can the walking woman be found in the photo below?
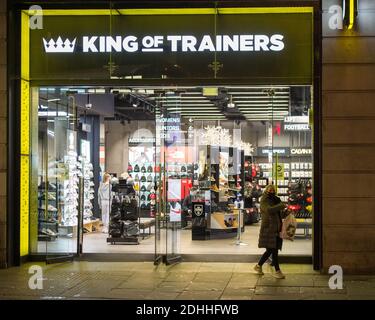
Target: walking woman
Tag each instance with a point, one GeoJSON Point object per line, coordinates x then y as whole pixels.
{"type": "Point", "coordinates": [272, 211]}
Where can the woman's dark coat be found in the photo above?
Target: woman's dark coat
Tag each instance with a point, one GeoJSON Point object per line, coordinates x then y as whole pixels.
{"type": "Point", "coordinates": [270, 209]}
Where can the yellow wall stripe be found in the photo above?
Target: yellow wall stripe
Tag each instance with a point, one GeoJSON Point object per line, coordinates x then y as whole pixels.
{"type": "Point", "coordinates": [25, 137]}
{"type": "Point", "coordinates": [351, 14]}
{"type": "Point", "coordinates": [24, 205]}
{"type": "Point", "coordinates": [25, 46]}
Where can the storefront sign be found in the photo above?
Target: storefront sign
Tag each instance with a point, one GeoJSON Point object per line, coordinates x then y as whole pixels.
{"type": "Point", "coordinates": [265, 151]}
{"type": "Point", "coordinates": [276, 46]}
{"type": "Point", "coordinates": [300, 151]}
{"type": "Point", "coordinates": [172, 43]}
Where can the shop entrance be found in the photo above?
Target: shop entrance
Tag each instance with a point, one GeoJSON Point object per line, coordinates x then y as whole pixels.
{"type": "Point", "coordinates": [159, 172]}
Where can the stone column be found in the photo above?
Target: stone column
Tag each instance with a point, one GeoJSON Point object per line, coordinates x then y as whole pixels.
{"type": "Point", "coordinates": [3, 135]}
{"type": "Point", "coordinates": [349, 142]}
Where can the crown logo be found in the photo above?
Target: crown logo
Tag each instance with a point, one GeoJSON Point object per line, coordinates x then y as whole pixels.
{"type": "Point", "coordinates": [66, 46]}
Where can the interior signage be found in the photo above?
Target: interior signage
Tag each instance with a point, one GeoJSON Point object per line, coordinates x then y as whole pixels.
{"type": "Point", "coordinates": [174, 43]}
{"type": "Point", "coordinates": [296, 119]}
{"type": "Point", "coordinates": [296, 127]}
{"type": "Point", "coordinates": [300, 151]}
{"type": "Point", "coordinates": [141, 140]}
{"type": "Point", "coordinates": [266, 151]}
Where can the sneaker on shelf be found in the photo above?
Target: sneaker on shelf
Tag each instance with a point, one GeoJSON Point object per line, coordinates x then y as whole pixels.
{"type": "Point", "coordinates": [214, 188]}
{"type": "Point", "coordinates": [51, 233]}
{"type": "Point", "coordinates": [51, 196]}
{"type": "Point", "coordinates": [51, 186]}
{"type": "Point", "coordinates": [212, 178]}
{"type": "Point", "coordinates": [51, 208]}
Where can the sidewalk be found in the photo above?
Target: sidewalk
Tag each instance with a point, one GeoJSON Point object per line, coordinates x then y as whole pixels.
{"type": "Point", "coordinates": [188, 281]}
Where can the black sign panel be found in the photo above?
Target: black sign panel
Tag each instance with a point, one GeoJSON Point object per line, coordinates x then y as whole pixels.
{"type": "Point", "coordinates": [269, 48]}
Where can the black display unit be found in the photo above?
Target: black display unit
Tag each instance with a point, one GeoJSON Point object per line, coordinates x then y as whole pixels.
{"type": "Point", "coordinates": [221, 179]}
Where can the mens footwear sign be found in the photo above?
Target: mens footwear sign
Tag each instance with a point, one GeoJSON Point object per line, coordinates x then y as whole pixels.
{"type": "Point", "coordinates": [270, 48]}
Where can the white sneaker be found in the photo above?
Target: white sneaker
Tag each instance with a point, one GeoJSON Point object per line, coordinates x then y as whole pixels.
{"type": "Point", "coordinates": [258, 269]}
{"type": "Point", "coordinates": [278, 275]}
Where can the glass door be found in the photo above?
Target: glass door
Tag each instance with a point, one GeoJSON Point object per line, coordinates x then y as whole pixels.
{"type": "Point", "coordinates": [59, 175]}
{"type": "Point", "coordinates": [170, 159]}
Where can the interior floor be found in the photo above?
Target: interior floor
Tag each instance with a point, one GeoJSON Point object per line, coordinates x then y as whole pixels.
{"type": "Point", "coordinates": [96, 243]}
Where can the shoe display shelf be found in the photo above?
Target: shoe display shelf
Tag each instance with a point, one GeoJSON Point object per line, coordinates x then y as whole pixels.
{"type": "Point", "coordinates": [88, 189]}
{"type": "Point", "coordinates": [47, 211]}
{"type": "Point", "coordinates": [69, 194]}
{"type": "Point", "coordinates": [144, 178]}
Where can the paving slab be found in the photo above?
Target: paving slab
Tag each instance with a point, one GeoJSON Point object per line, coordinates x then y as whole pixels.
{"type": "Point", "coordinates": [244, 284]}
{"type": "Point", "coordinates": [185, 266]}
{"type": "Point", "coordinates": [279, 297]}
{"type": "Point", "coordinates": [130, 294]}
{"type": "Point", "coordinates": [213, 276]}
{"type": "Point", "coordinates": [185, 276]}
{"type": "Point", "coordinates": [330, 297]}
{"type": "Point", "coordinates": [200, 295]}
{"type": "Point", "coordinates": [267, 290]}
{"type": "Point", "coordinates": [162, 295]}
{"type": "Point", "coordinates": [206, 286]}
{"type": "Point", "coordinates": [216, 267]}
{"type": "Point", "coordinates": [290, 281]}
{"type": "Point", "coordinates": [227, 297]}
{"type": "Point", "coordinates": [140, 283]}
{"type": "Point", "coordinates": [321, 290]}
{"type": "Point", "coordinates": [238, 292]}
{"type": "Point", "coordinates": [171, 286]}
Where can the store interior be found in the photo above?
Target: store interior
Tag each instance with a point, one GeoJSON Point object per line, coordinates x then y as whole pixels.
{"type": "Point", "coordinates": [175, 169]}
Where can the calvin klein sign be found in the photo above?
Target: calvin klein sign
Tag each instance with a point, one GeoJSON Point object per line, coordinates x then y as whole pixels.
{"type": "Point", "coordinates": [172, 43]}
{"type": "Point", "coordinates": [300, 151]}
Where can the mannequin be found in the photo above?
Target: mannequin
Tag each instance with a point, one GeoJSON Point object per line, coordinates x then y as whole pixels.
{"type": "Point", "coordinates": [105, 200]}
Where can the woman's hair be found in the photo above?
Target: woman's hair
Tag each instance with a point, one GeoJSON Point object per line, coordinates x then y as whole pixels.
{"type": "Point", "coordinates": [268, 187]}
{"type": "Point", "coordinates": [106, 177]}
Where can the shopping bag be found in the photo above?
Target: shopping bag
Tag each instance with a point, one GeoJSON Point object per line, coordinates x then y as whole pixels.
{"type": "Point", "coordinates": [288, 230]}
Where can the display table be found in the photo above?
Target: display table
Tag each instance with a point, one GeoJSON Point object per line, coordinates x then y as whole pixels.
{"type": "Point", "coordinates": [146, 223]}
{"type": "Point", "coordinates": [71, 231]}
